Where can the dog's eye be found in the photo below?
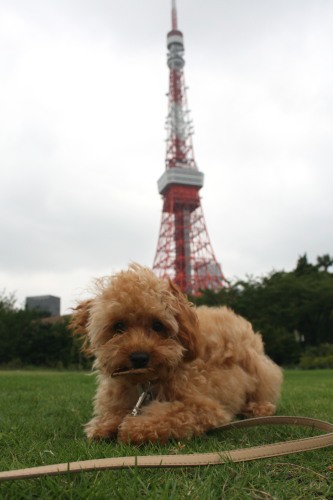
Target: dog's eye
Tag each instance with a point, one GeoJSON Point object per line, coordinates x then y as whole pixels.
{"type": "Point", "coordinates": [119, 327]}
{"type": "Point", "coordinates": [158, 327]}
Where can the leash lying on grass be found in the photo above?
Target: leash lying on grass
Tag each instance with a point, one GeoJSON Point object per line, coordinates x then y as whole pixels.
{"type": "Point", "coordinates": [196, 459]}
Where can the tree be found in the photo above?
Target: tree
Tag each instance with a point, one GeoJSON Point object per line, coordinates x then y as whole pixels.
{"type": "Point", "coordinates": [303, 267]}
{"type": "Point", "coordinates": [324, 262]}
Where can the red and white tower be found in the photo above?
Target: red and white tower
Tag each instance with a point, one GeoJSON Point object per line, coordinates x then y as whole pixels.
{"type": "Point", "coordinates": [184, 252]}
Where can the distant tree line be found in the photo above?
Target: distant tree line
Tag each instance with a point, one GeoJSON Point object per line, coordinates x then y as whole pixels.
{"type": "Point", "coordinates": [30, 338]}
{"type": "Point", "coordinates": [292, 310]}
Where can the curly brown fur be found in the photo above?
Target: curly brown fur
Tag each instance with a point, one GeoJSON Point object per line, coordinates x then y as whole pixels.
{"type": "Point", "coordinates": [204, 365]}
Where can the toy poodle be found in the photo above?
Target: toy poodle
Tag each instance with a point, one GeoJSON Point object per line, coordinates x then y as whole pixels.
{"type": "Point", "coordinates": [168, 370]}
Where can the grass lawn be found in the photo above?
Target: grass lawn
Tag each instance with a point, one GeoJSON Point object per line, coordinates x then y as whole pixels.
{"type": "Point", "coordinates": [41, 417]}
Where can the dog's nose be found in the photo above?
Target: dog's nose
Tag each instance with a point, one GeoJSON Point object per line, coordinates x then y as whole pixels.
{"type": "Point", "coordinates": [139, 359]}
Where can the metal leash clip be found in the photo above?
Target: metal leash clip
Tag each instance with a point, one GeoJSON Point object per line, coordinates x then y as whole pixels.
{"type": "Point", "coordinates": [146, 395]}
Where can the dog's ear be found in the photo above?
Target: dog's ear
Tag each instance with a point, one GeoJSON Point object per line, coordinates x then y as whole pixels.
{"type": "Point", "coordinates": [79, 322]}
{"type": "Point", "coordinates": [187, 321]}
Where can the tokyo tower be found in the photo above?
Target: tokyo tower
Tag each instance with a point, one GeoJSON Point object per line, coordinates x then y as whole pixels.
{"type": "Point", "coordinates": [184, 252]}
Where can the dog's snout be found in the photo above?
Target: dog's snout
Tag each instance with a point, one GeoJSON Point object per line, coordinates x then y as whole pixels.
{"type": "Point", "coordinates": [139, 359]}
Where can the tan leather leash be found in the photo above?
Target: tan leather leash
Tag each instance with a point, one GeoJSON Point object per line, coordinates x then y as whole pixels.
{"type": "Point", "coordinates": [196, 459]}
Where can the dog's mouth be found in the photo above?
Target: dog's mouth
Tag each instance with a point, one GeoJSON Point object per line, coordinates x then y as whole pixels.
{"type": "Point", "coordinates": [119, 372]}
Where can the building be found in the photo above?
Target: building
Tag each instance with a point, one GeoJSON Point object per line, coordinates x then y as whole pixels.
{"type": "Point", "coordinates": [44, 303]}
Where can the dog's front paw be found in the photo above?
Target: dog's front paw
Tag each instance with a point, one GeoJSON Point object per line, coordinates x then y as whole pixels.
{"type": "Point", "coordinates": [102, 428]}
{"type": "Point", "coordinates": [137, 430]}
{"type": "Point", "coordinates": [254, 409]}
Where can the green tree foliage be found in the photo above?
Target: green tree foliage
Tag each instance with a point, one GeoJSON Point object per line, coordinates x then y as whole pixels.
{"type": "Point", "coordinates": [292, 310]}
{"type": "Point", "coordinates": [28, 338]}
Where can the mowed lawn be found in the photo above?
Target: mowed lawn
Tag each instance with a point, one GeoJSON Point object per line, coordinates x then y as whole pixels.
{"type": "Point", "coordinates": [41, 417]}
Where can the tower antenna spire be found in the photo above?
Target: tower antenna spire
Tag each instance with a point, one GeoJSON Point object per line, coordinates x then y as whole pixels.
{"type": "Point", "coordinates": [174, 15]}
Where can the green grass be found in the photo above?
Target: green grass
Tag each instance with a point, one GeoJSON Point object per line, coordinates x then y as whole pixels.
{"type": "Point", "coordinates": [41, 417]}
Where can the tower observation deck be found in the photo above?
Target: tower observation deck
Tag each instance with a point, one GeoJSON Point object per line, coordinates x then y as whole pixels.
{"type": "Point", "coordinates": [184, 252]}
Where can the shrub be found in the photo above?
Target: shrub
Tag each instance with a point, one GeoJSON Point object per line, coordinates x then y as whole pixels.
{"type": "Point", "coordinates": [317, 357]}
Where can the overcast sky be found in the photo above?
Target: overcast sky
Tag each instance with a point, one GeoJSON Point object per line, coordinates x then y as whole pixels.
{"type": "Point", "coordinates": [82, 139]}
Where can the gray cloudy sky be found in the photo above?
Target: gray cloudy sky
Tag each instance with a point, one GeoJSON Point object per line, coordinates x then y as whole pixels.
{"type": "Point", "coordinates": [82, 111]}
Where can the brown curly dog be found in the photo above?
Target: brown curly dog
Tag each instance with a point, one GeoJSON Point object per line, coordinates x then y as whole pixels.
{"type": "Point", "coordinates": [202, 366]}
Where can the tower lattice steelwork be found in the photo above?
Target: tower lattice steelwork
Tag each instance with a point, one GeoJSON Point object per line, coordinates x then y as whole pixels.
{"type": "Point", "coordinates": [184, 252]}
